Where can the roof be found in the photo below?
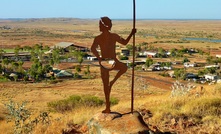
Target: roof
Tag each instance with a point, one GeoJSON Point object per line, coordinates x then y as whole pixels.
{"type": "Point", "coordinates": [150, 53]}
{"type": "Point", "coordinates": [19, 54]}
{"type": "Point", "coordinates": [210, 75]}
{"type": "Point", "coordinates": [63, 44]}
{"type": "Point", "coordinates": [67, 44]}
{"type": "Point", "coordinates": [63, 73]}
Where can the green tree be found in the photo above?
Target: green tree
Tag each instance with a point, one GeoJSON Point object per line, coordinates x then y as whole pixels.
{"type": "Point", "coordinates": [201, 52]}
{"type": "Point", "coordinates": [5, 62]}
{"type": "Point", "coordinates": [80, 59]}
{"type": "Point", "coordinates": [179, 53]}
{"type": "Point", "coordinates": [88, 72]}
{"type": "Point", "coordinates": [27, 48]}
{"type": "Point", "coordinates": [16, 51]}
{"type": "Point", "coordinates": [211, 70]}
{"type": "Point", "coordinates": [186, 60]}
{"type": "Point", "coordinates": [129, 47]}
{"type": "Point", "coordinates": [78, 68]}
{"type": "Point", "coordinates": [46, 48]}
{"type": "Point", "coordinates": [14, 66]}
{"type": "Point", "coordinates": [202, 72]}
{"type": "Point", "coordinates": [79, 56]}
{"type": "Point", "coordinates": [38, 48]}
{"type": "Point", "coordinates": [51, 62]}
{"type": "Point", "coordinates": [161, 52]}
{"type": "Point", "coordinates": [209, 60]}
{"type": "Point", "coordinates": [47, 68]}
{"type": "Point", "coordinates": [149, 62]}
{"type": "Point", "coordinates": [1, 68]}
{"type": "Point", "coordinates": [2, 52]}
{"type": "Point", "coordinates": [56, 55]}
{"type": "Point", "coordinates": [173, 52]}
{"type": "Point", "coordinates": [33, 55]}
{"type": "Point", "coordinates": [217, 60]}
{"type": "Point", "coordinates": [36, 71]}
{"type": "Point", "coordinates": [168, 64]}
{"type": "Point", "coordinates": [20, 68]}
{"type": "Point", "coordinates": [179, 73]}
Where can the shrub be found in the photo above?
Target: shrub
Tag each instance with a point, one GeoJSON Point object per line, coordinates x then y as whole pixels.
{"type": "Point", "coordinates": [77, 76]}
{"type": "Point", "coordinates": [3, 79]}
{"type": "Point", "coordinates": [21, 117]}
{"type": "Point", "coordinates": [180, 89]}
{"type": "Point", "coordinates": [124, 58]}
{"type": "Point", "coordinates": [91, 101]}
{"type": "Point", "coordinates": [114, 101]}
{"type": "Point", "coordinates": [75, 101]}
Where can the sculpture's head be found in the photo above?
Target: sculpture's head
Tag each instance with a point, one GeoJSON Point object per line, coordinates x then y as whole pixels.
{"type": "Point", "coordinates": [105, 24]}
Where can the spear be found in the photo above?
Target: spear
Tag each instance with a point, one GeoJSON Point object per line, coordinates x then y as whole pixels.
{"type": "Point", "coordinates": [132, 84]}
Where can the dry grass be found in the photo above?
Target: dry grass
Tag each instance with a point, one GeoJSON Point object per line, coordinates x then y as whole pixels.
{"type": "Point", "coordinates": [163, 107]}
{"type": "Point", "coordinates": [204, 111]}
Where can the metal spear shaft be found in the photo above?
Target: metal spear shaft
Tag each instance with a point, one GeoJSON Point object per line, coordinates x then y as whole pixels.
{"type": "Point", "coordinates": [132, 84]}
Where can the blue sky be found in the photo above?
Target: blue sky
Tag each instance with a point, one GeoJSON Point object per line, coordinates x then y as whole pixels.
{"type": "Point", "coordinates": [115, 9]}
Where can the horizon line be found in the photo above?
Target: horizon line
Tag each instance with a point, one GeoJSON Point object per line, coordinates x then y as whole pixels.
{"type": "Point", "coordinates": [18, 18]}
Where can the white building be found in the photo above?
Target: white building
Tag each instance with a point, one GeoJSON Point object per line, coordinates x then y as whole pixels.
{"type": "Point", "coordinates": [210, 77]}
{"type": "Point", "coordinates": [188, 64]}
{"type": "Point", "coordinates": [150, 54]}
{"type": "Point", "coordinates": [212, 66]}
{"type": "Point", "coordinates": [218, 55]}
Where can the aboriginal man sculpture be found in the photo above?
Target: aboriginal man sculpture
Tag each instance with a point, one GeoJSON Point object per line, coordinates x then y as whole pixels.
{"type": "Point", "coordinates": [106, 41]}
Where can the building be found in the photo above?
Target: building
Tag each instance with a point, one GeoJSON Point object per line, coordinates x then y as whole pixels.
{"type": "Point", "coordinates": [23, 56]}
{"type": "Point", "coordinates": [210, 77]}
{"type": "Point", "coordinates": [63, 74]}
{"type": "Point", "coordinates": [69, 45]}
{"type": "Point", "coordinates": [92, 58]}
{"type": "Point", "coordinates": [218, 55]}
{"type": "Point", "coordinates": [125, 52]}
{"type": "Point", "coordinates": [189, 64]}
{"type": "Point", "coordinates": [150, 54]}
{"type": "Point", "coordinates": [213, 66]}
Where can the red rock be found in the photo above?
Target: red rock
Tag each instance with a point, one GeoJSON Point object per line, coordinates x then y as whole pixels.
{"type": "Point", "coordinates": [116, 123]}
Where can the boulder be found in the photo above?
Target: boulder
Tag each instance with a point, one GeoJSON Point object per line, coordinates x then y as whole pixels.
{"type": "Point", "coordinates": [116, 123]}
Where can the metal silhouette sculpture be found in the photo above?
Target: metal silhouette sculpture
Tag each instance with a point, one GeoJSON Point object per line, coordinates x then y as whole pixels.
{"type": "Point", "coordinates": [106, 41]}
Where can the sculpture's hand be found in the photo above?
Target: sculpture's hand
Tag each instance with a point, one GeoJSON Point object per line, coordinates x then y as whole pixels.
{"type": "Point", "coordinates": [133, 31]}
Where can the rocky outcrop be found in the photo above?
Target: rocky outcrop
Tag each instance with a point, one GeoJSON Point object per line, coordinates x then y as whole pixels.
{"type": "Point", "coordinates": [116, 123]}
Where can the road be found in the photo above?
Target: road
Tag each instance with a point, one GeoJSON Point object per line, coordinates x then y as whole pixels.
{"type": "Point", "coordinates": [159, 83]}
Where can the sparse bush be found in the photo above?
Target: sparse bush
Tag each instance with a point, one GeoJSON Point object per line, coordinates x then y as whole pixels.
{"type": "Point", "coordinates": [78, 101]}
{"type": "Point", "coordinates": [91, 101]}
{"type": "Point", "coordinates": [21, 117]}
{"type": "Point", "coordinates": [88, 72]}
{"type": "Point", "coordinates": [77, 75]}
{"type": "Point", "coordinates": [179, 89]}
{"type": "Point", "coordinates": [123, 57]}
{"type": "Point", "coordinates": [149, 62]}
{"type": "Point", "coordinates": [3, 79]}
{"type": "Point", "coordinates": [114, 101]}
